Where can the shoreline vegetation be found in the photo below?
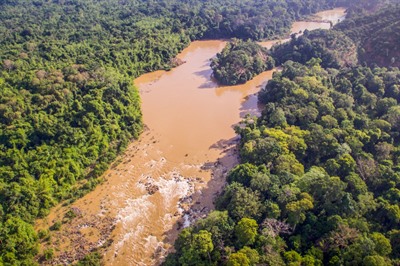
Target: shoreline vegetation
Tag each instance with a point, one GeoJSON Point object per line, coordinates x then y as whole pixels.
{"type": "Point", "coordinates": [67, 104]}
{"type": "Point", "coordinates": [240, 61]}
{"type": "Point", "coordinates": [318, 181]}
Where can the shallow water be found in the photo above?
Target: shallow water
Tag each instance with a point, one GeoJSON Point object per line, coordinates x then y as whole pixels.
{"type": "Point", "coordinates": [176, 167]}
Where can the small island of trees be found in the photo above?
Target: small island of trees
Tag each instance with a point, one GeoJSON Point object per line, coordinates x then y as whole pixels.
{"type": "Point", "coordinates": [240, 61]}
{"type": "Point", "coordinates": [319, 178]}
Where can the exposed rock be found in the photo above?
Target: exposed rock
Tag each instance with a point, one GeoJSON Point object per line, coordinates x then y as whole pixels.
{"type": "Point", "coordinates": [151, 188]}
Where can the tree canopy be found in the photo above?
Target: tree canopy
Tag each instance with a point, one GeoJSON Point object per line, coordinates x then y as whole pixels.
{"type": "Point", "coordinates": [68, 107]}
{"type": "Point", "coordinates": [372, 39]}
{"type": "Point", "coordinates": [240, 61]}
{"type": "Point", "coordinates": [318, 182]}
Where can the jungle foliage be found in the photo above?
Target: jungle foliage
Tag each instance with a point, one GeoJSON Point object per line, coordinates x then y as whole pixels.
{"type": "Point", "coordinates": [67, 102]}
{"type": "Point", "coordinates": [371, 39]}
{"type": "Point", "coordinates": [318, 182]}
{"type": "Point", "coordinates": [377, 35]}
{"type": "Point", "coordinates": [334, 48]}
{"type": "Point", "coordinates": [240, 61]}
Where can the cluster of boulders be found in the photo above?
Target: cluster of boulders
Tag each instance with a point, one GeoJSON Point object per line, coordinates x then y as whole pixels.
{"type": "Point", "coordinates": [149, 185]}
{"type": "Point", "coordinates": [151, 188]}
{"type": "Point", "coordinates": [80, 243]}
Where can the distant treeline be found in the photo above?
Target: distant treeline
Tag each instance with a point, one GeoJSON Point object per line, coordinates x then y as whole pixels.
{"type": "Point", "coordinates": [67, 102]}
{"type": "Point", "coordinates": [369, 39]}
{"type": "Point", "coordinates": [372, 39]}
{"type": "Point", "coordinates": [377, 36]}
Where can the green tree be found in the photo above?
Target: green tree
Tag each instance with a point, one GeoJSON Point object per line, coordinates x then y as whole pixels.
{"type": "Point", "coordinates": [19, 241]}
{"type": "Point", "coordinates": [219, 224]}
{"type": "Point", "coordinates": [375, 260]}
{"type": "Point", "coordinates": [241, 202]}
{"type": "Point", "coordinates": [196, 248]}
{"type": "Point", "coordinates": [251, 254]}
{"type": "Point", "coordinates": [238, 259]}
{"type": "Point", "coordinates": [242, 173]}
{"type": "Point", "coordinates": [202, 243]}
{"type": "Point", "coordinates": [296, 209]}
{"type": "Point", "coordinates": [240, 61]}
{"type": "Point", "coordinates": [246, 232]}
{"type": "Point", "coordinates": [292, 258]}
{"type": "Point", "coordinates": [382, 244]}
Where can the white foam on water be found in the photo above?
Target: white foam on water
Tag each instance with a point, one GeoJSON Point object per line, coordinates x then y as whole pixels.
{"type": "Point", "coordinates": [186, 221]}
{"type": "Point", "coordinates": [173, 188]}
{"type": "Point", "coordinates": [134, 210]}
{"type": "Point", "coordinates": [119, 194]}
{"type": "Point", "coordinates": [134, 217]}
{"type": "Point", "coordinates": [142, 181]}
{"type": "Point", "coordinates": [151, 164]}
{"type": "Point", "coordinates": [159, 249]}
{"type": "Point", "coordinates": [167, 221]}
{"type": "Point", "coordinates": [152, 242]}
{"type": "Point", "coordinates": [122, 241]}
{"type": "Point", "coordinates": [191, 166]}
{"type": "Point", "coordinates": [141, 187]}
{"type": "Point", "coordinates": [100, 243]}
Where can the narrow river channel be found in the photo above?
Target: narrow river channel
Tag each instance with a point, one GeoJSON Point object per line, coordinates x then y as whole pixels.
{"type": "Point", "coordinates": [170, 176]}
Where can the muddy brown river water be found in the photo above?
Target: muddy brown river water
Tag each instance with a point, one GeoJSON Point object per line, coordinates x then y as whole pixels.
{"type": "Point", "coordinates": [170, 176]}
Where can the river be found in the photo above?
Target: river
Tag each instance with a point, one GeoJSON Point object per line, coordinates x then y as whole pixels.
{"type": "Point", "coordinates": [170, 176]}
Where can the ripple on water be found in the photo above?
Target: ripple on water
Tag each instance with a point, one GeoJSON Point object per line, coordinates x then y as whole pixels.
{"type": "Point", "coordinates": [186, 123]}
{"type": "Point", "coordinates": [137, 214]}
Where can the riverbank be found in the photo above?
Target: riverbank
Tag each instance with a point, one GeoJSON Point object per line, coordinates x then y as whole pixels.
{"type": "Point", "coordinates": [170, 176]}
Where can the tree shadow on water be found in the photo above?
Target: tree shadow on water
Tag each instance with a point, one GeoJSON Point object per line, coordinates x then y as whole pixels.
{"type": "Point", "coordinates": [203, 73]}
{"type": "Point", "coordinates": [211, 82]}
{"type": "Point", "coordinates": [250, 106]}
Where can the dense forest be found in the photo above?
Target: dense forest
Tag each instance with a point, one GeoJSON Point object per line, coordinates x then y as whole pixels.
{"type": "Point", "coordinates": [319, 176]}
{"type": "Point", "coordinates": [377, 35]}
{"type": "Point", "coordinates": [371, 39]}
{"type": "Point", "coordinates": [67, 103]}
{"type": "Point", "coordinates": [240, 61]}
{"type": "Point", "coordinates": [334, 48]}
{"type": "Point", "coordinates": [319, 180]}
